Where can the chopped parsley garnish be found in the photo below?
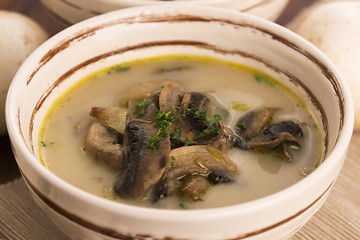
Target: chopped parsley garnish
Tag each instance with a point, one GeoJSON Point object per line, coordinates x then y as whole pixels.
{"type": "Point", "coordinates": [260, 78]}
{"type": "Point", "coordinates": [202, 115]}
{"type": "Point", "coordinates": [187, 142]}
{"type": "Point", "coordinates": [175, 136]}
{"type": "Point", "coordinates": [242, 125]}
{"type": "Point", "coordinates": [209, 131]}
{"type": "Point", "coordinates": [215, 119]}
{"type": "Point", "coordinates": [153, 142]}
{"type": "Point", "coordinates": [122, 68]}
{"type": "Point", "coordinates": [141, 109]}
{"type": "Point", "coordinates": [164, 121]}
{"type": "Point", "coordinates": [182, 205]}
{"type": "Point", "coordinates": [187, 111]}
{"type": "Point", "coordinates": [43, 143]}
{"type": "Point", "coordinates": [173, 163]}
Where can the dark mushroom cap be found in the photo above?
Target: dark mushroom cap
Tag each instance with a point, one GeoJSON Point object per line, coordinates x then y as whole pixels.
{"type": "Point", "coordinates": [278, 135]}
{"type": "Point", "coordinates": [252, 123]}
{"type": "Point", "coordinates": [145, 165]}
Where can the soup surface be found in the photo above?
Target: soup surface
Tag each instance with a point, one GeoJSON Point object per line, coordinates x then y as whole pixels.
{"type": "Point", "coordinates": [234, 91]}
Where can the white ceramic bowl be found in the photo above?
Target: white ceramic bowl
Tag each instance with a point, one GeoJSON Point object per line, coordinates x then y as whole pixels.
{"type": "Point", "coordinates": [136, 33]}
{"type": "Point", "coordinates": [73, 11]}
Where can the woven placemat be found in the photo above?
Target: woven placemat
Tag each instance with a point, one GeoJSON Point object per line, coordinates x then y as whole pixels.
{"type": "Point", "coordinates": [339, 218]}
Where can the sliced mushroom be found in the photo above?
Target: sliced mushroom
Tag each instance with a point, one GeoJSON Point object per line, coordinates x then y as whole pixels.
{"type": "Point", "coordinates": [278, 134]}
{"type": "Point", "coordinates": [189, 161]}
{"type": "Point", "coordinates": [238, 141]}
{"type": "Point", "coordinates": [112, 117]}
{"type": "Point", "coordinates": [192, 104]}
{"type": "Point", "coordinates": [170, 98]}
{"type": "Point", "coordinates": [194, 187]}
{"type": "Point", "coordinates": [251, 124]}
{"type": "Point", "coordinates": [194, 111]}
{"type": "Point", "coordinates": [221, 143]}
{"type": "Point", "coordinates": [184, 132]}
{"type": "Point", "coordinates": [142, 91]}
{"type": "Point", "coordinates": [216, 177]}
{"type": "Point", "coordinates": [145, 109]}
{"type": "Point", "coordinates": [145, 164]}
{"type": "Point", "coordinates": [232, 139]}
{"type": "Point", "coordinates": [103, 144]}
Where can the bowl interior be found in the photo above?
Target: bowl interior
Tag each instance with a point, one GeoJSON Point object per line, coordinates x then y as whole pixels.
{"type": "Point", "coordinates": [129, 37]}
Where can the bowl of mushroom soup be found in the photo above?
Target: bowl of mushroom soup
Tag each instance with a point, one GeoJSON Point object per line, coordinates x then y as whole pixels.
{"type": "Point", "coordinates": [179, 123]}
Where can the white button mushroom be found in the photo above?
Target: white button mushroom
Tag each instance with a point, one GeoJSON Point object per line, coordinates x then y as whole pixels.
{"type": "Point", "coordinates": [334, 27]}
{"type": "Point", "coordinates": [19, 36]}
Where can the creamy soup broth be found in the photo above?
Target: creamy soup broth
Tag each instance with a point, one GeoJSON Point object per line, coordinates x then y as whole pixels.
{"type": "Point", "coordinates": [235, 88]}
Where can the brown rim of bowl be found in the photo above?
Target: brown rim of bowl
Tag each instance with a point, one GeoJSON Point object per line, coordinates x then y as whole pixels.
{"type": "Point", "coordinates": [245, 9]}
{"type": "Point", "coordinates": [94, 13]}
{"type": "Point", "coordinates": [115, 234]}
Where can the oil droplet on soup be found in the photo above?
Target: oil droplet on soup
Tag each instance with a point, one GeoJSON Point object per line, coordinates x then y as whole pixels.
{"type": "Point", "coordinates": [128, 132]}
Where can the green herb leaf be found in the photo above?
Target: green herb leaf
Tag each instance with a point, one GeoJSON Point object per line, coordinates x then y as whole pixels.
{"type": "Point", "coordinates": [164, 121]}
{"type": "Point", "coordinates": [175, 136]}
{"type": "Point", "coordinates": [200, 114]}
{"type": "Point", "coordinates": [182, 205]}
{"type": "Point", "coordinates": [215, 119]}
{"type": "Point", "coordinates": [209, 131]}
{"type": "Point", "coordinates": [141, 109]}
{"type": "Point", "coordinates": [122, 68]}
{"type": "Point", "coordinates": [242, 125]}
{"type": "Point", "coordinates": [187, 111]}
{"type": "Point", "coordinates": [153, 142]}
{"type": "Point", "coordinates": [260, 78]}
{"type": "Point", "coordinates": [187, 142]}
{"type": "Point", "coordinates": [43, 143]}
